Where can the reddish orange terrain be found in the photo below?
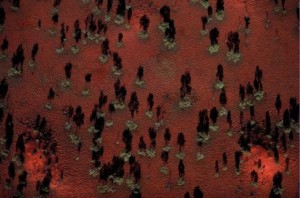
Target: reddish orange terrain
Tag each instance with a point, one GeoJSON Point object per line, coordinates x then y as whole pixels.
{"type": "Point", "coordinates": [271, 42]}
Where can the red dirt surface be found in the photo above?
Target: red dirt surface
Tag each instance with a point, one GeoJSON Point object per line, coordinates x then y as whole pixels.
{"type": "Point", "coordinates": [278, 59]}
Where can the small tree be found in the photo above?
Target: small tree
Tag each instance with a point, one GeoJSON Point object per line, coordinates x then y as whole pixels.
{"type": "Point", "coordinates": [167, 136]}
{"type": "Point", "coordinates": [180, 140]}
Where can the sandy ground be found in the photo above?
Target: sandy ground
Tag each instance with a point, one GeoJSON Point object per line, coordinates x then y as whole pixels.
{"type": "Point", "coordinates": [277, 57]}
